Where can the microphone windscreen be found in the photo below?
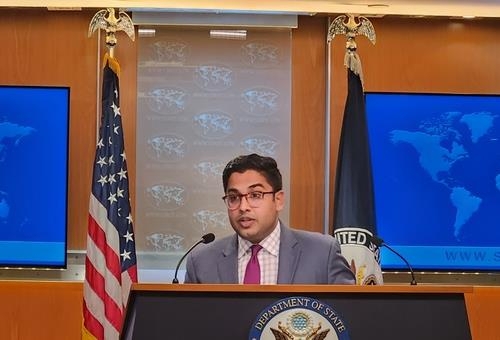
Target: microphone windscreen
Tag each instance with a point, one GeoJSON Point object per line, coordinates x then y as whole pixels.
{"type": "Point", "coordinates": [207, 238]}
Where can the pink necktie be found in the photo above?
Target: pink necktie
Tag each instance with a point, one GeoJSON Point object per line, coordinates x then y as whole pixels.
{"type": "Point", "coordinates": [252, 273]}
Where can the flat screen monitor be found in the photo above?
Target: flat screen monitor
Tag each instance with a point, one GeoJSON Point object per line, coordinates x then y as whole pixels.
{"type": "Point", "coordinates": [34, 128]}
{"type": "Point", "coordinates": [436, 170]}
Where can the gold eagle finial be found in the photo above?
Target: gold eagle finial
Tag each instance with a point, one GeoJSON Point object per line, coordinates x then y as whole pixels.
{"type": "Point", "coordinates": [352, 26]}
{"type": "Point", "coordinates": [107, 20]}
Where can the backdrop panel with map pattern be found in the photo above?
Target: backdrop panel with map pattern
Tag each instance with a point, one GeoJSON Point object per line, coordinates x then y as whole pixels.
{"type": "Point", "coordinates": [202, 102]}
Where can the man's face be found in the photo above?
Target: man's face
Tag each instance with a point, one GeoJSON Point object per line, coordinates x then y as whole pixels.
{"type": "Point", "coordinates": [257, 222]}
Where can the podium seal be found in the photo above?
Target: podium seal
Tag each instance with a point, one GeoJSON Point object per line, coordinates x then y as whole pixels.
{"type": "Point", "coordinates": [298, 318]}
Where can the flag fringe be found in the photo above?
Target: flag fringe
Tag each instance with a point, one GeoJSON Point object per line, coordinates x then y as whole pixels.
{"type": "Point", "coordinates": [86, 335]}
{"type": "Point", "coordinates": [353, 62]}
{"type": "Point", "coordinates": [112, 62]}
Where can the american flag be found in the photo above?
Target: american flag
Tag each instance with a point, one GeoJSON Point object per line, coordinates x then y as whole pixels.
{"type": "Point", "coordinates": [110, 264]}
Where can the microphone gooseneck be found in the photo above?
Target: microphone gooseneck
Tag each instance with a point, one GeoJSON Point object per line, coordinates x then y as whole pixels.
{"type": "Point", "coordinates": [207, 238]}
{"type": "Point", "coordinates": [380, 243]}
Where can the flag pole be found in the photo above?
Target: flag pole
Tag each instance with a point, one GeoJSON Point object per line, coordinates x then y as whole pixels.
{"type": "Point", "coordinates": [111, 261]}
{"type": "Point", "coordinates": [354, 224]}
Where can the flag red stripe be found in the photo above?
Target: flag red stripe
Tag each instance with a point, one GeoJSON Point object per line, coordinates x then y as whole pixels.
{"type": "Point", "coordinates": [92, 325]}
{"type": "Point", "coordinates": [112, 311]}
{"type": "Point", "coordinates": [96, 279]}
{"type": "Point", "coordinates": [95, 282]}
{"type": "Point", "coordinates": [132, 273]}
{"type": "Point", "coordinates": [98, 235]}
{"type": "Point", "coordinates": [114, 314]}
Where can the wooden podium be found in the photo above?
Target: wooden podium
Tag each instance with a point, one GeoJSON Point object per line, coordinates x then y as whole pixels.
{"type": "Point", "coordinates": [386, 312]}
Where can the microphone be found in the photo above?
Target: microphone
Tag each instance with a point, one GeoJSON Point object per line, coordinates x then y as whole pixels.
{"type": "Point", "coordinates": [380, 243]}
{"type": "Point", "coordinates": [207, 238]}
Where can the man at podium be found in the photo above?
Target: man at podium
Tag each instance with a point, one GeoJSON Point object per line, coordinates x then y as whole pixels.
{"type": "Point", "coordinates": [263, 250]}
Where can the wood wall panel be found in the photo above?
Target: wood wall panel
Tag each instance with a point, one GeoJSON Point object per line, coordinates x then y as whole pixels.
{"type": "Point", "coordinates": [419, 55]}
{"type": "Point", "coordinates": [307, 185]}
{"type": "Point", "coordinates": [433, 55]}
{"type": "Point", "coordinates": [415, 55]}
{"type": "Point", "coordinates": [40, 47]}
{"type": "Point", "coordinates": [40, 310]}
{"type": "Point", "coordinates": [482, 309]}
{"type": "Point", "coordinates": [52, 48]}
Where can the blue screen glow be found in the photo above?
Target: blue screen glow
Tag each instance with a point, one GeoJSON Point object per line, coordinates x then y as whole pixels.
{"type": "Point", "coordinates": [34, 124]}
{"type": "Point", "coordinates": [436, 169]}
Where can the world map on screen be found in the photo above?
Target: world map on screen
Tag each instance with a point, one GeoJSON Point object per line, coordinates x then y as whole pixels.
{"type": "Point", "coordinates": [11, 135]}
{"type": "Point", "coordinates": [436, 168]}
{"type": "Point", "coordinates": [442, 148]}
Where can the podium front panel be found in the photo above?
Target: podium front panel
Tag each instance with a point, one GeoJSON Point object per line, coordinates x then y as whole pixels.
{"type": "Point", "coordinates": [185, 315]}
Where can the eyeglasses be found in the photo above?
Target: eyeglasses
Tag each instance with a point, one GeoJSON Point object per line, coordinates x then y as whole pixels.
{"type": "Point", "coordinates": [254, 199]}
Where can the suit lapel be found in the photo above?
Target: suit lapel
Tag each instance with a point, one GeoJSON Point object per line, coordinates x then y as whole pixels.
{"type": "Point", "coordinates": [289, 256]}
{"type": "Point", "coordinates": [228, 264]}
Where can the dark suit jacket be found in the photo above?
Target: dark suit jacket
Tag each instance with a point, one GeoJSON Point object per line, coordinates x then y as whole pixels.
{"type": "Point", "coordinates": [304, 258]}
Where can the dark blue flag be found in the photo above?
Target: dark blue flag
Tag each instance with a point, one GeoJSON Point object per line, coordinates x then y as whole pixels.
{"type": "Point", "coordinates": [354, 211]}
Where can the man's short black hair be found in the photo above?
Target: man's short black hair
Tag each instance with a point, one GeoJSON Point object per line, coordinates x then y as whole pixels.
{"type": "Point", "coordinates": [266, 166]}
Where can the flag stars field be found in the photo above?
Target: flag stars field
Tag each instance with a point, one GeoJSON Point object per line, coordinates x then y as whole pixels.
{"type": "Point", "coordinates": [103, 180]}
{"type": "Point", "coordinates": [102, 162]}
{"type": "Point", "coordinates": [112, 198]}
{"type": "Point", "coordinates": [116, 109]}
{"type": "Point", "coordinates": [129, 236]}
{"type": "Point", "coordinates": [126, 255]}
{"type": "Point", "coordinates": [122, 174]}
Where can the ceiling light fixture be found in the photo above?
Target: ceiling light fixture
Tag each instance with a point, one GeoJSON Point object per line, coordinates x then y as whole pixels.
{"type": "Point", "coordinates": [146, 32]}
{"type": "Point", "coordinates": [377, 5]}
{"type": "Point", "coordinates": [228, 34]}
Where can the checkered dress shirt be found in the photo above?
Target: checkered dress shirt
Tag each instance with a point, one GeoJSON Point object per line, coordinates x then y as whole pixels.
{"type": "Point", "coordinates": [268, 257]}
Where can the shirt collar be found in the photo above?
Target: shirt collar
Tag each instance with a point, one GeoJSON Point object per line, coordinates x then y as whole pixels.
{"type": "Point", "coordinates": [271, 243]}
